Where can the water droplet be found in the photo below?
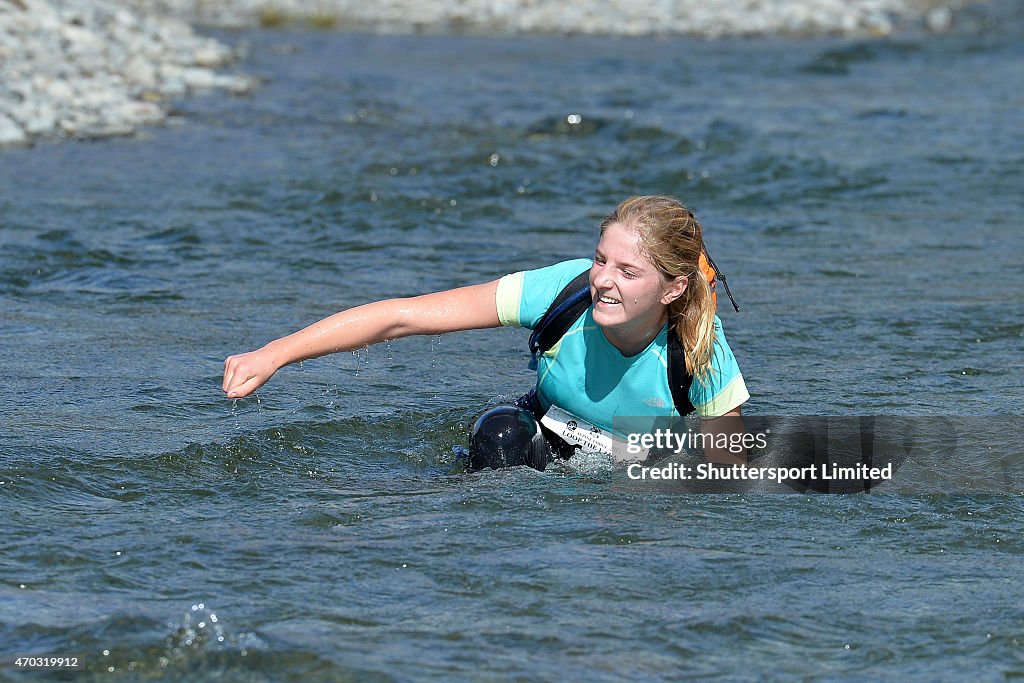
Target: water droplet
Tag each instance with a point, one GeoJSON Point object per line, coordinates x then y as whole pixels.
{"type": "Point", "coordinates": [393, 171]}
{"type": "Point", "coordinates": [574, 119]}
{"type": "Point", "coordinates": [453, 202]}
{"type": "Point", "coordinates": [494, 159]}
{"type": "Point", "coordinates": [106, 653]}
{"type": "Point", "coordinates": [373, 196]}
{"type": "Point", "coordinates": [387, 345]}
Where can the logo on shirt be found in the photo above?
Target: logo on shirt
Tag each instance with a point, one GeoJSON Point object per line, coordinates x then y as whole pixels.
{"type": "Point", "coordinates": [654, 402]}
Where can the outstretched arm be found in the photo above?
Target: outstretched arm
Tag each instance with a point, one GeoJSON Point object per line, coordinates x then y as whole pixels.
{"type": "Point", "coordinates": [465, 308]}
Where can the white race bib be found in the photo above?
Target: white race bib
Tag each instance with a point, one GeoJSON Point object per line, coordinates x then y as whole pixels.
{"type": "Point", "coordinates": [578, 432]}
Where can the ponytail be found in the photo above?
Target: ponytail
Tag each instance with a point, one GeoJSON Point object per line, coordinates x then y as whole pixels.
{"type": "Point", "coordinates": [692, 318]}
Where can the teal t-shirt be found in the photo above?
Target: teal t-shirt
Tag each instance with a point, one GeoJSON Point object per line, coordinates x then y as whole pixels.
{"type": "Point", "coordinates": [586, 375]}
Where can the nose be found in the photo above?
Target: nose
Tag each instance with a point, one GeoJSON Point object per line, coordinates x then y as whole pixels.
{"type": "Point", "coordinates": [600, 278]}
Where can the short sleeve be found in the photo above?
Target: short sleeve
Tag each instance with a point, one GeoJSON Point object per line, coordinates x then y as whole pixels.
{"type": "Point", "coordinates": [523, 298]}
{"type": "Point", "coordinates": [723, 389]}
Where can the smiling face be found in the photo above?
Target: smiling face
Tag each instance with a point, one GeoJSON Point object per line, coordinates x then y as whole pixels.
{"type": "Point", "coordinates": [630, 294]}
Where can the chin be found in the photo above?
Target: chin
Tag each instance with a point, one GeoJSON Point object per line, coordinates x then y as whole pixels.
{"type": "Point", "coordinates": [603, 319]}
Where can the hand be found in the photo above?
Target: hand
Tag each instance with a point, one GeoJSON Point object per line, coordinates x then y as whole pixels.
{"type": "Point", "coordinates": [247, 372]}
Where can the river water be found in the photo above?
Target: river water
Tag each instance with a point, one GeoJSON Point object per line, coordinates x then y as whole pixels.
{"type": "Point", "coordinates": [865, 198]}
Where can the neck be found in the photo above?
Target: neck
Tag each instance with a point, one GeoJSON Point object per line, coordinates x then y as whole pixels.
{"type": "Point", "coordinates": [632, 341]}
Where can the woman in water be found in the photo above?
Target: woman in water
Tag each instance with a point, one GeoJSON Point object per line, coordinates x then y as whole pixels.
{"type": "Point", "coordinates": [645, 287]}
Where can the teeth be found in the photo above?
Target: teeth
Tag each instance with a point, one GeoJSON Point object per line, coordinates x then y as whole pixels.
{"type": "Point", "coordinates": [609, 300]}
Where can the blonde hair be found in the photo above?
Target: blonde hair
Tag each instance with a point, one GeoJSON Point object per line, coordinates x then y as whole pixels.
{"type": "Point", "coordinates": [672, 239]}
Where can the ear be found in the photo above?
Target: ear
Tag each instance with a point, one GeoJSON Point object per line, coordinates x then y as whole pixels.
{"type": "Point", "coordinates": [674, 289]}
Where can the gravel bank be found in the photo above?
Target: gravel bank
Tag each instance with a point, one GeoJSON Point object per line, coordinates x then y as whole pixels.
{"type": "Point", "coordinates": [96, 68]}
{"type": "Point", "coordinates": [709, 18]}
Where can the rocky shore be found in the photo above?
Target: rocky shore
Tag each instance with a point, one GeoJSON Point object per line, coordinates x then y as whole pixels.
{"type": "Point", "coordinates": [96, 68]}
{"type": "Point", "coordinates": [708, 18]}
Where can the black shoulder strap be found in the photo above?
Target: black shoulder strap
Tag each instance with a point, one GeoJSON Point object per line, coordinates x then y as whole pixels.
{"type": "Point", "coordinates": [679, 380]}
{"type": "Point", "coordinates": [567, 307]}
{"type": "Point", "coordinates": [570, 304]}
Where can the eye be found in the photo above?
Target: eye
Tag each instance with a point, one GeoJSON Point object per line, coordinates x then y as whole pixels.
{"type": "Point", "coordinates": [630, 275]}
{"type": "Point", "coordinates": [599, 259]}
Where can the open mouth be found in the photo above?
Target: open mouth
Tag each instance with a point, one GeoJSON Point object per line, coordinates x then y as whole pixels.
{"type": "Point", "coordinates": [608, 300]}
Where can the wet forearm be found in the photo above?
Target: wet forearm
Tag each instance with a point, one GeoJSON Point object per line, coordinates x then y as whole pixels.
{"type": "Point", "coordinates": [345, 331]}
